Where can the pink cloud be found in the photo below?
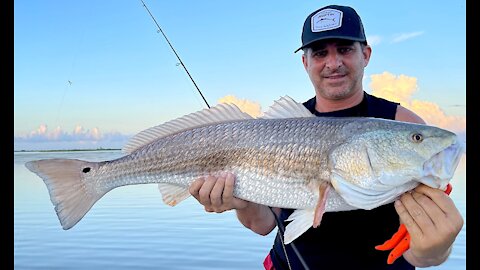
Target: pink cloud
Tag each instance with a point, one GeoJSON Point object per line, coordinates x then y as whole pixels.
{"type": "Point", "coordinates": [401, 89]}
{"type": "Point", "coordinates": [250, 107]}
{"type": "Point", "coordinates": [79, 138]}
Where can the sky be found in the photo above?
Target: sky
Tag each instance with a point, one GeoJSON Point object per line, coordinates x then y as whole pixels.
{"type": "Point", "coordinates": [91, 74]}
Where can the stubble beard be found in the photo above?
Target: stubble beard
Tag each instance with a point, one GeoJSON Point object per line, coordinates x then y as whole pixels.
{"type": "Point", "coordinates": [340, 91]}
{"type": "Point", "coordinates": [336, 94]}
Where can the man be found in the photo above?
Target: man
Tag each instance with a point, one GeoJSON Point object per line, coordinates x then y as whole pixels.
{"type": "Point", "coordinates": [335, 55]}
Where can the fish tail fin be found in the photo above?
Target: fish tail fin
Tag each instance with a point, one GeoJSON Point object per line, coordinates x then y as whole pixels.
{"type": "Point", "coordinates": [71, 195]}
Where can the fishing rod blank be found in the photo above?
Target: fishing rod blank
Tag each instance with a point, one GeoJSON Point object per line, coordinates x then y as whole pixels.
{"type": "Point", "coordinates": [178, 57]}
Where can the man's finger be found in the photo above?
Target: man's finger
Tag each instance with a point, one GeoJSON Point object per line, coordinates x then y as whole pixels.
{"type": "Point", "coordinates": [216, 194]}
{"type": "Point", "coordinates": [417, 209]}
{"type": "Point", "coordinates": [406, 218]}
{"type": "Point", "coordinates": [195, 187]}
{"type": "Point", "coordinates": [206, 189]}
{"type": "Point", "coordinates": [438, 196]}
{"type": "Point", "coordinates": [227, 195]}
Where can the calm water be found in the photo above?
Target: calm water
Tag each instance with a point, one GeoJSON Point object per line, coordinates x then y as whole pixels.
{"type": "Point", "coordinates": [131, 228]}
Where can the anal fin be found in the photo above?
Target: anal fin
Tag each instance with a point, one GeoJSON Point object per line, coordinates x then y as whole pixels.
{"type": "Point", "coordinates": [172, 194]}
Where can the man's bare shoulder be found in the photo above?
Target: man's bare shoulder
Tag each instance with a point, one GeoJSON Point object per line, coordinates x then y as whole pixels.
{"type": "Point", "coordinates": [406, 115]}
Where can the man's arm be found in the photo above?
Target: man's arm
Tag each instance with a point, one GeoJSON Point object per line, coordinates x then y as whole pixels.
{"type": "Point", "coordinates": [405, 115]}
{"type": "Point", "coordinates": [215, 193]}
{"type": "Point", "coordinates": [430, 216]}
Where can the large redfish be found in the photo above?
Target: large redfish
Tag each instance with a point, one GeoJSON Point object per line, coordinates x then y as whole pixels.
{"type": "Point", "coordinates": [288, 158]}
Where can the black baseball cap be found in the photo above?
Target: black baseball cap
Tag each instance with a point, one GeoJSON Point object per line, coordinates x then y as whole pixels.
{"type": "Point", "coordinates": [332, 21]}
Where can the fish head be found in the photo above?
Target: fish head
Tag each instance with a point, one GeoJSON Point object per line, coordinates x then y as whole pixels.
{"type": "Point", "coordinates": [379, 160]}
{"type": "Point", "coordinates": [414, 152]}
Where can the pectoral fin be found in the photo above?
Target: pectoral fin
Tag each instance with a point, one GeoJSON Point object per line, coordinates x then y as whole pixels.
{"type": "Point", "coordinates": [320, 209]}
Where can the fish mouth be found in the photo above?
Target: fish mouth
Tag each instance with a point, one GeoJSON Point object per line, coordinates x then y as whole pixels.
{"type": "Point", "coordinates": [439, 169]}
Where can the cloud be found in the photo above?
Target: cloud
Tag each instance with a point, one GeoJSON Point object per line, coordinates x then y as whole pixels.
{"type": "Point", "coordinates": [251, 107]}
{"type": "Point", "coordinates": [374, 40]}
{"type": "Point", "coordinates": [405, 36]}
{"type": "Point", "coordinates": [43, 138]}
{"type": "Point", "coordinates": [401, 89]}
{"type": "Point", "coordinates": [79, 138]}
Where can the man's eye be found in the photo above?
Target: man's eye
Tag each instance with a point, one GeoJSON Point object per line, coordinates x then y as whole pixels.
{"type": "Point", "coordinates": [319, 54]}
{"type": "Point", "coordinates": [344, 50]}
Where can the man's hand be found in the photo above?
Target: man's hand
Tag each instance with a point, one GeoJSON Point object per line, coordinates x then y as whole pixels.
{"type": "Point", "coordinates": [433, 223]}
{"type": "Point", "coordinates": [215, 193]}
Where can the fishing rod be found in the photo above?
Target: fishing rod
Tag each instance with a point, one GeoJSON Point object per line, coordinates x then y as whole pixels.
{"type": "Point", "coordinates": [176, 54]}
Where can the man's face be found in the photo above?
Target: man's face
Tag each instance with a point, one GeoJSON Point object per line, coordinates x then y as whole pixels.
{"type": "Point", "coordinates": [335, 67]}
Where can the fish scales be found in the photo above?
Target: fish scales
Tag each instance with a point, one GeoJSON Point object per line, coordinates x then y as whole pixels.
{"type": "Point", "coordinates": [280, 156]}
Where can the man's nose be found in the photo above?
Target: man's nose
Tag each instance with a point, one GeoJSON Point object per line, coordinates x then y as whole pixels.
{"type": "Point", "coordinates": [333, 60]}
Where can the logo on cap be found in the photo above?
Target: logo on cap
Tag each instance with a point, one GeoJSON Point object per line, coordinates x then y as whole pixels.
{"type": "Point", "coordinates": [326, 19]}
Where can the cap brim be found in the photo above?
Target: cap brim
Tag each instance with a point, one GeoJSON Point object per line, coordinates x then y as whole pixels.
{"type": "Point", "coordinates": [329, 37]}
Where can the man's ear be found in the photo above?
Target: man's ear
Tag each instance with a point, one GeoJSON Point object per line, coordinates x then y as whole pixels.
{"type": "Point", "coordinates": [367, 52]}
{"type": "Point", "coordinates": [305, 60]}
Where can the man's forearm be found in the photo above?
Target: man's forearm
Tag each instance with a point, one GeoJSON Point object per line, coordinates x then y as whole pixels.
{"type": "Point", "coordinates": [257, 218]}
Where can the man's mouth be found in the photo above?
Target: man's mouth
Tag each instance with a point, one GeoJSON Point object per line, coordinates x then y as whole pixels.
{"type": "Point", "coordinates": [334, 76]}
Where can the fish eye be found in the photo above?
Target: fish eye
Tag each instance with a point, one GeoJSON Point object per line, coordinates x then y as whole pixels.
{"type": "Point", "coordinates": [417, 137]}
{"type": "Point", "coordinates": [86, 169]}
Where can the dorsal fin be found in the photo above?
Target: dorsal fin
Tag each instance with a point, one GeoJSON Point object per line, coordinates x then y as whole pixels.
{"type": "Point", "coordinates": [286, 107]}
{"type": "Point", "coordinates": [224, 112]}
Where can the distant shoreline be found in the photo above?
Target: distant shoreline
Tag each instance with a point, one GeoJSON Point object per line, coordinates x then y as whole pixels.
{"type": "Point", "coordinates": [68, 150]}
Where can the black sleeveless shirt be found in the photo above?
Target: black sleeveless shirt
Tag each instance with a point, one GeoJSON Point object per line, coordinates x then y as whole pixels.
{"type": "Point", "coordinates": [347, 239]}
